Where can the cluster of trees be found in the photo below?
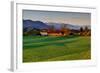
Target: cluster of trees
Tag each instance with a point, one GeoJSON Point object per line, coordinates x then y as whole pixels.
{"type": "Point", "coordinates": [85, 32]}
{"type": "Point", "coordinates": [27, 32]}
{"type": "Point", "coordinates": [63, 30]}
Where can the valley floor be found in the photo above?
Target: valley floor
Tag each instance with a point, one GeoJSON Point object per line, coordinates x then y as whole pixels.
{"type": "Point", "coordinates": [56, 48]}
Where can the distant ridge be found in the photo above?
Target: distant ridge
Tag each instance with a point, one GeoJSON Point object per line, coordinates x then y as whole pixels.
{"type": "Point", "coordinates": [59, 25]}
{"type": "Point", "coordinates": [34, 24]}
{"type": "Point", "coordinates": [29, 24]}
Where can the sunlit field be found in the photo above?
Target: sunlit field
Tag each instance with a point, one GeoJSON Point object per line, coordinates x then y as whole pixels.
{"type": "Point", "coordinates": [56, 48]}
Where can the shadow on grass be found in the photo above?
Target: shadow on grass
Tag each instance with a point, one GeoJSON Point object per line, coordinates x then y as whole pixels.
{"type": "Point", "coordinates": [51, 42]}
{"type": "Point", "coordinates": [45, 38]}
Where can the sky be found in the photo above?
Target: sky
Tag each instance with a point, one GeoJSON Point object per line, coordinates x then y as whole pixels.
{"type": "Point", "coordinates": [74, 18]}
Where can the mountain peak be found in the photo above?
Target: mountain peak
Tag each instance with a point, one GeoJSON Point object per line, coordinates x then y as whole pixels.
{"type": "Point", "coordinates": [34, 24]}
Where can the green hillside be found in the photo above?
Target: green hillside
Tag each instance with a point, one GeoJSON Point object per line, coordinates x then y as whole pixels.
{"type": "Point", "coordinates": [56, 48]}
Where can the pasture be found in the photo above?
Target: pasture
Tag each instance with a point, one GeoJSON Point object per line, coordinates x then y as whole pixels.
{"type": "Point", "coordinates": [56, 48]}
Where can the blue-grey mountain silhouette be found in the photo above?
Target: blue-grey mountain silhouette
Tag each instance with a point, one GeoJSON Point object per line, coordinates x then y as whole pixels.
{"type": "Point", "coordinates": [29, 24]}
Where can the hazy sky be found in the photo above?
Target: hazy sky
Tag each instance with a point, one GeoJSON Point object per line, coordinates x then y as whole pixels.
{"type": "Point", "coordinates": [58, 17]}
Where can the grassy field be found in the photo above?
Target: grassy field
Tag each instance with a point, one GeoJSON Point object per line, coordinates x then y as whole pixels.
{"type": "Point", "coordinates": [56, 48]}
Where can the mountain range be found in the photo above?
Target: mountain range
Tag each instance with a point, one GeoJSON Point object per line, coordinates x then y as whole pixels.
{"type": "Point", "coordinates": [69, 26]}
{"type": "Point", "coordinates": [29, 24]}
{"type": "Point", "coordinates": [34, 25]}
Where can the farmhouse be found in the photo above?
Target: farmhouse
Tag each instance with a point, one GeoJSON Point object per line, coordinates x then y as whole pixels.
{"type": "Point", "coordinates": [43, 32]}
{"type": "Point", "coordinates": [59, 33]}
{"type": "Point", "coordinates": [63, 32]}
{"type": "Point", "coordinates": [54, 34]}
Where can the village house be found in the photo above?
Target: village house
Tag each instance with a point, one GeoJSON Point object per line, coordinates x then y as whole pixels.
{"type": "Point", "coordinates": [54, 34]}
{"type": "Point", "coordinates": [43, 32]}
{"type": "Point", "coordinates": [63, 32]}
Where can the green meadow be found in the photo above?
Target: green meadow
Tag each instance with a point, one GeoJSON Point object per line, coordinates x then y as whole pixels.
{"type": "Point", "coordinates": [56, 48]}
